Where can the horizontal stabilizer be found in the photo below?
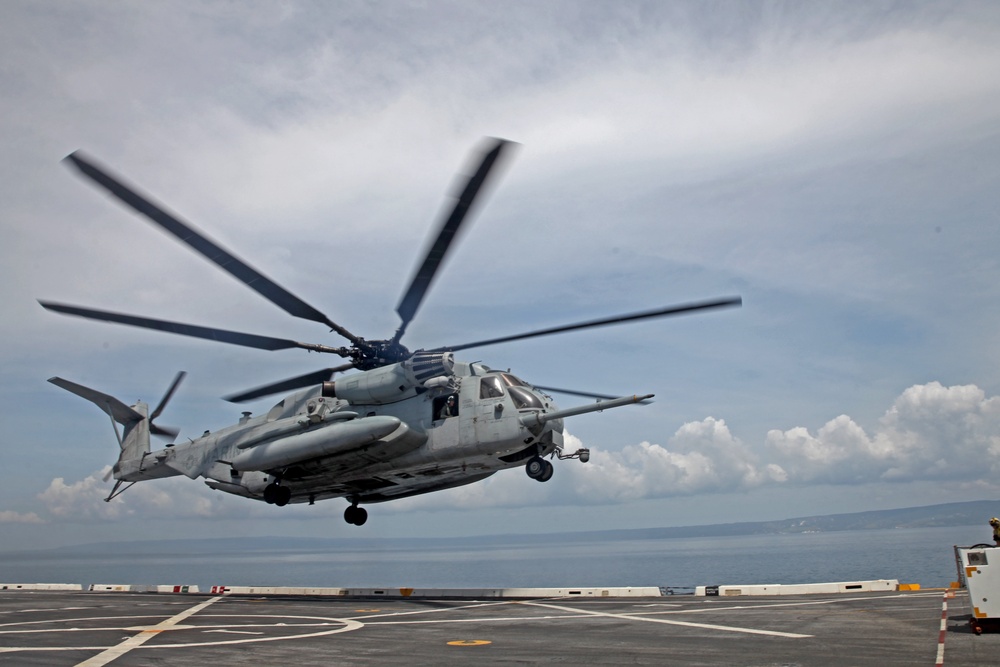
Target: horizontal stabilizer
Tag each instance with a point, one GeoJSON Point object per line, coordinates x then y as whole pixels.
{"type": "Point", "coordinates": [118, 411]}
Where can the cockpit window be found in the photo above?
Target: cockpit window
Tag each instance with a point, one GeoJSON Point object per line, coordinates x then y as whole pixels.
{"type": "Point", "coordinates": [490, 387]}
{"type": "Point", "coordinates": [513, 380]}
{"type": "Point", "coordinates": [524, 399]}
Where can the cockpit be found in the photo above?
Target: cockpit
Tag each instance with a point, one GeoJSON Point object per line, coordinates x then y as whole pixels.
{"type": "Point", "coordinates": [494, 385]}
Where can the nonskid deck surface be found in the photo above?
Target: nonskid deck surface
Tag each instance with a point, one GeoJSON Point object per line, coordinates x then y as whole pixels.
{"type": "Point", "coordinates": [85, 628]}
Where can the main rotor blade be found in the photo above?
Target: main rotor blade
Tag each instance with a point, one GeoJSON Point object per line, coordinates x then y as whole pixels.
{"type": "Point", "coordinates": [220, 335]}
{"type": "Point", "coordinates": [194, 238]}
{"type": "Point", "coordinates": [422, 280]}
{"type": "Point", "coordinates": [306, 380]}
{"type": "Point", "coordinates": [618, 319]}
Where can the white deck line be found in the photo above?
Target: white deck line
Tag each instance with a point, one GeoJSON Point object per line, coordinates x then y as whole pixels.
{"type": "Point", "coordinates": [144, 636]}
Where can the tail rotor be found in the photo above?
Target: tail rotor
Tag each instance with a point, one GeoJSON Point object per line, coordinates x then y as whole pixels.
{"type": "Point", "coordinates": [166, 431]}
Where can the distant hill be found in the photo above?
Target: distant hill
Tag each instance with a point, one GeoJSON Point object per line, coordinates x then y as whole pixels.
{"type": "Point", "coordinates": [975, 513]}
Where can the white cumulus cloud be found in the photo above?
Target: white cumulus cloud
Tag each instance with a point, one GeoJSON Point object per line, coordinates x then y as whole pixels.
{"type": "Point", "coordinates": [84, 499]}
{"type": "Point", "coordinates": [701, 457]}
{"type": "Point", "coordinates": [931, 432]}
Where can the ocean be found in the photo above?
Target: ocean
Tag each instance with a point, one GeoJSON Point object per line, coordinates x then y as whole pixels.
{"type": "Point", "coordinates": [912, 555]}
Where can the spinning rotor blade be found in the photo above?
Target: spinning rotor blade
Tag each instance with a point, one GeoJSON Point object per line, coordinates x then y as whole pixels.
{"type": "Point", "coordinates": [618, 319]}
{"type": "Point", "coordinates": [315, 377]}
{"type": "Point", "coordinates": [207, 248]}
{"type": "Point", "coordinates": [220, 335]}
{"type": "Point", "coordinates": [164, 431]}
{"type": "Point", "coordinates": [167, 396]}
{"type": "Point", "coordinates": [422, 280]}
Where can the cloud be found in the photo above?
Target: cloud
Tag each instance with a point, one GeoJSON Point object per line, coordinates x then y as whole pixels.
{"type": "Point", "coordinates": [931, 432]}
{"type": "Point", "coordinates": [701, 457]}
{"type": "Point", "coordinates": [84, 500]}
{"type": "Point", "coordinates": [9, 516]}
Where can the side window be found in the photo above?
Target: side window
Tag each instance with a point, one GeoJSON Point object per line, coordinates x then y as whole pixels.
{"type": "Point", "coordinates": [490, 387]}
{"type": "Point", "coordinates": [446, 406]}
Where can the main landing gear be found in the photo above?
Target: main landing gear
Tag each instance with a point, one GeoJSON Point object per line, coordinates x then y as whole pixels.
{"type": "Point", "coordinates": [274, 494]}
{"type": "Point", "coordinates": [540, 469]}
{"type": "Point", "coordinates": [356, 515]}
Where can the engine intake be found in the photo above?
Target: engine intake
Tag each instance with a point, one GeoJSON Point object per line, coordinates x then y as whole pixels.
{"type": "Point", "coordinates": [392, 383]}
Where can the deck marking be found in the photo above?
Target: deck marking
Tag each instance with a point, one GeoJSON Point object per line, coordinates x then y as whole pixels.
{"type": "Point", "coordinates": [323, 624]}
{"type": "Point", "coordinates": [144, 636]}
{"type": "Point", "coordinates": [464, 607]}
{"type": "Point", "coordinates": [632, 617]}
{"type": "Point", "coordinates": [484, 619]}
{"type": "Point", "coordinates": [943, 631]}
{"type": "Point", "coordinates": [470, 642]}
{"type": "Point", "coordinates": [764, 605]}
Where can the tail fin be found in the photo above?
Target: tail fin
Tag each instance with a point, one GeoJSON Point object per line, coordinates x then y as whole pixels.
{"type": "Point", "coordinates": [137, 424]}
{"type": "Point", "coordinates": [134, 440]}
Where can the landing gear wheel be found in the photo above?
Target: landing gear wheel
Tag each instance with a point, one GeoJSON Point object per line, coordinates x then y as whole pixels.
{"type": "Point", "coordinates": [356, 515]}
{"type": "Point", "coordinates": [271, 492]}
{"type": "Point", "coordinates": [275, 494]}
{"type": "Point", "coordinates": [547, 473]}
{"type": "Point", "coordinates": [535, 467]}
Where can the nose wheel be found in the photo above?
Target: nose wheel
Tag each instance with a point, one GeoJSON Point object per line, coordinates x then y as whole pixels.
{"type": "Point", "coordinates": [539, 469]}
{"type": "Point", "coordinates": [355, 515]}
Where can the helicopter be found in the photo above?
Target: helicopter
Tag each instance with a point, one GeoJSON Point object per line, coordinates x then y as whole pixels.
{"type": "Point", "coordinates": [404, 423]}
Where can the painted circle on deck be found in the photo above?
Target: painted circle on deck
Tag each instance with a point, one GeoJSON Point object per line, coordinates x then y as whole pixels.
{"type": "Point", "coordinates": [267, 627]}
{"type": "Point", "coordinates": [469, 642]}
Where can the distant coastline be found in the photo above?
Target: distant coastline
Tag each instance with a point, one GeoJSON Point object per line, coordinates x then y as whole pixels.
{"type": "Point", "coordinates": [972, 513]}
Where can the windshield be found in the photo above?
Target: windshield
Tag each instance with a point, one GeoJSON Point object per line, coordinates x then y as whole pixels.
{"type": "Point", "coordinates": [524, 399]}
{"type": "Point", "coordinates": [513, 380]}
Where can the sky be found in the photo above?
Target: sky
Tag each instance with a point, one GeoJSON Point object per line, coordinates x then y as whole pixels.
{"type": "Point", "coordinates": [835, 164]}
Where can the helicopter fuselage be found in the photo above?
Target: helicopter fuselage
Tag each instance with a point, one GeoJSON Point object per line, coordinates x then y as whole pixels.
{"type": "Point", "coordinates": [459, 425]}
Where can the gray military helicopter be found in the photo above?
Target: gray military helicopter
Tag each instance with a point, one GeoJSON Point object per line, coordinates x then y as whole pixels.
{"type": "Point", "coordinates": [406, 423]}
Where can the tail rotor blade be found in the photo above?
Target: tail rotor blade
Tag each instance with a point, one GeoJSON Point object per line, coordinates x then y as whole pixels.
{"type": "Point", "coordinates": [167, 396]}
{"type": "Point", "coordinates": [165, 431]}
